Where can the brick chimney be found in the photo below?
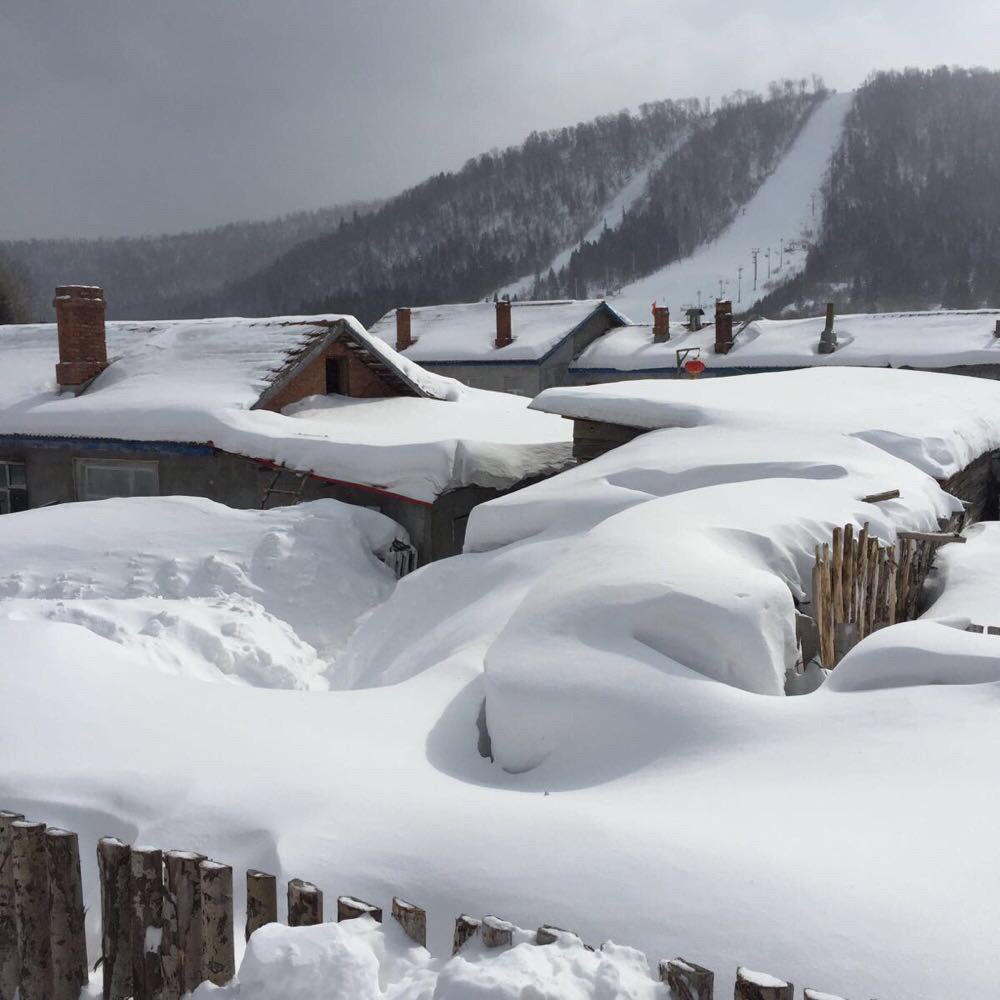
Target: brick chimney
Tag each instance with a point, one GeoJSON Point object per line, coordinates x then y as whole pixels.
{"type": "Point", "coordinates": [504, 337]}
{"type": "Point", "coordinates": [723, 326]}
{"type": "Point", "coordinates": [828, 338]}
{"type": "Point", "coordinates": [404, 338]}
{"type": "Point", "coordinates": [661, 324]}
{"type": "Point", "coordinates": [83, 352]}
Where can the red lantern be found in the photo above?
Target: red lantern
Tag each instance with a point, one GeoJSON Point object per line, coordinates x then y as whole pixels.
{"type": "Point", "coordinates": [694, 367]}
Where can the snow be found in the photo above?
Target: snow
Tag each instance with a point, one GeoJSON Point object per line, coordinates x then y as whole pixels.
{"type": "Point", "coordinates": [596, 612]}
{"type": "Point", "coordinates": [361, 960]}
{"type": "Point", "coordinates": [782, 208]}
{"type": "Point", "coordinates": [189, 587]}
{"type": "Point", "coordinates": [965, 585]}
{"type": "Point", "coordinates": [761, 978]}
{"type": "Point", "coordinates": [610, 217]}
{"type": "Point", "coordinates": [914, 340]}
{"type": "Point", "coordinates": [938, 422]}
{"type": "Point", "coordinates": [197, 381]}
{"type": "Point", "coordinates": [467, 331]}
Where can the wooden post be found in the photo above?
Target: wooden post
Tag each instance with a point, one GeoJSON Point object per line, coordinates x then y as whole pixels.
{"type": "Point", "coordinates": [412, 919]}
{"type": "Point", "coordinates": [32, 904]}
{"type": "Point", "coordinates": [218, 960]}
{"type": "Point", "coordinates": [114, 865]}
{"type": "Point", "coordinates": [66, 919]}
{"type": "Point", "coordinates": [819, 995]}
{"type": "Point", "coordinates": [465, 927]}
{"type": "Point", "coordinates": [147, 922]}
{"type": "Point", "coordinates": [182, 958]}
{"type": "Point", "coordinates": [837, 572]}
{"type": "Point", "coordinates": [871, 593]}
{"type": "Point", "coordinates": [305, 904]}
{"type": "Point", "coordinates": [496, 933]}
{"type": "Point", "coordinates": [905, 569]}
{"type": "Point", "coordinates": [686, 980]}
{"type": "Point", "coordinates": [10, 955]}
{"type": "Point", "coordinates": [760, 986]}
{"type": "Point", "coordinates": [881, 497]}
{"type": "Point", "coordinates": [262, 901]}
{"type": "Point", "coordinates": [348, 908]}
{"type": "Point", "coordinates": [848, 581]}
{"type": "Point", "coordinates": [861, 572]}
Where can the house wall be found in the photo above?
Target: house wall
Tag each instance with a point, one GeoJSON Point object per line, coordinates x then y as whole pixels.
{"type": "Point", "coordinates": [436, 531]}
{"type": "Point", "coordinates": [531, 377]}
{"type": "Point", "coordinates": [358, 380]}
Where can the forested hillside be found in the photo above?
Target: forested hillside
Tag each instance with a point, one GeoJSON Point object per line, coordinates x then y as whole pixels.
{"type": "Point", "coordinates": [458, 236]}
{"type": "Point", "coordinates": [694, 194]}
{"type": "Point", "coordinates": [912, 207]}
{"type": "Point", "coordinates": [147, 277]}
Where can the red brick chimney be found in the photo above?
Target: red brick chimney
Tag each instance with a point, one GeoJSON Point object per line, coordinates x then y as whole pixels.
{"type": "Point", "coordinates": [661, 324]}
{"type": "Point", "coordinates": [404, 338]}
{"type": "Point", "coordinates": [83, 352]}
{"type": "Point", "coordinates": [504, 337]}
{"type": "Point", "coordinates": [723, 326]}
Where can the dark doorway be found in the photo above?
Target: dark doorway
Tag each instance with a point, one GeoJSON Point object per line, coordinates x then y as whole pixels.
{"type": "Point", "coordinates": [334, 377]}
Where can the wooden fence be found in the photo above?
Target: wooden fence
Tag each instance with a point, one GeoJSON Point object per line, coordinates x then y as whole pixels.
{"type": "Point", "coordinates": [167, 922]}
{"type": "Point", "coordinates": [860, 585]}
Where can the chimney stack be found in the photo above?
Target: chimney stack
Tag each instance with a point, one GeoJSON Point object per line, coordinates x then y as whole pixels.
{"type": "Point", "coordinates": [404, 337]}
{"type": "Point", "coordinates": [504, 337]}
{"type": "Point", "coordinates": [83, 352]}
{"type": "Point", "coordinates": [661, 324]}
{"type": "Point", "coordinates": [723, 326]}
{"type": "Point", "coordinates": [828, 338]}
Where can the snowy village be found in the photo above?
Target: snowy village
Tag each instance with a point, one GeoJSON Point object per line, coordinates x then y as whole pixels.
{"type": "Point", "coordinates": [563, 572]}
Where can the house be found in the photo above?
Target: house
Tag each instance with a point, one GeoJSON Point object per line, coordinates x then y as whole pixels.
{"type": "Point", "coordinates": [912, 415]}
{"type": "Point", "coordinates": [961, 343]}
{"type": "Point", "coordinates": [517, 347]}
{"type": "Point", "coordinates": [253, 413]}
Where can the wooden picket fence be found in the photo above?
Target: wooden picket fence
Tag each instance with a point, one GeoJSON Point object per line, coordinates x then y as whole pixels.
{"type": "Point", "coordinates": [860, 585]}
{"type": "Point", "coordinates": [167, 922]}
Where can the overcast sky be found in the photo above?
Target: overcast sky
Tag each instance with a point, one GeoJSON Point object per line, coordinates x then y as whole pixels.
{"type": "Point", "coordinates": [140, 116]}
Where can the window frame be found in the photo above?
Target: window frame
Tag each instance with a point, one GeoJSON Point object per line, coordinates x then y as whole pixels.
{"type": "Point", "coordinates": [81, 467]}
{"type": "Point", "coordinates": [8, 488]}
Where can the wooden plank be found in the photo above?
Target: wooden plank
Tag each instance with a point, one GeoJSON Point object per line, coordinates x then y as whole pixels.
{"type": "Point", "coordinates": [66, 915]}
{"type": "Point", "coordinates": [934, 537]}
{"type": "Point", "coordinates": [31, 896]}
{"type": "Point", "coordinates": [837, 575]}
{"type": "Point", "coordinates": [879, 497]}
{"type": "Point", "coordinates": [10, 956]}
{"type": "Point", "coordinates": [114, 862]}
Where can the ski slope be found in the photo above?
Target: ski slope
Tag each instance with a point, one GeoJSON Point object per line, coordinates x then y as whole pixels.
{"type": "Point", "coordinates": [782, 209]}
{"type": "Point", "coordinates": [611, 215]}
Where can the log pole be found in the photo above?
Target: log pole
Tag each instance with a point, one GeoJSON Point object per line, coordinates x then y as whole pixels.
{"type": "Point", "coordinates": [218, 964]}
{"type": "Point", "coordinates": [262, 901]}
{"type": "Point", "coordinates": [10, 954]}
{"type": "Point", "coordinates": [305, 903]}
{"type": "Point", "coordinates": [348, 907]}
{"type": "Point", "coordinates": [412, 919]}
{"type": "Point", "coordinates": [147, 922]}
{"type": "Point", "coordinates": [755, 986]}
{"type": "Point", "coordinates": [466, 927]}
{"type": "Point", "coordinates": [114, 866]}
{"type": "Point", "coordinates": [32, 904]}
{"type": "Point", "coordinates": [182, 957]}
{"type": "Point", "coordinates": [686, 980]}
{"type": "Point", "coordinates": [66, 916]}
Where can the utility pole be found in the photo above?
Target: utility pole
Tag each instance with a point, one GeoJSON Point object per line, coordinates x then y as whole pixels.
{"type": "Point", "coordinates": [739, 284]}
{"type": "Point", "coordinates": [699, 298]}
{"type": "Point", "coordinates": [755, 253]}
{"type": "Point", "coordinates": [768, 256]}
{"type": "Point", "coordinates": [781, 260]}
{"type": "Point", "coordinates": [721, 282]}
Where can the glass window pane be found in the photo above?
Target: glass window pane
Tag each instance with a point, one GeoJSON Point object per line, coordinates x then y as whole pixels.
{"type": "Point", "coordinates": [144, 482]}
{"type": "Point", "coordinates": [3, 474]}
{"type": "Point", "coordinates": [103, 481]}
{"type": "Point", "coordinates": [17, 475]}
{"type": "Point", "coordinates": [4, 502]}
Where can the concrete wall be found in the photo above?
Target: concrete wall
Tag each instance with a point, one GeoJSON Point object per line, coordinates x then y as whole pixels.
{"type": "Point", "coordinates": [529, 378]}
{"type": "Point", "coordinates": [436, 531]}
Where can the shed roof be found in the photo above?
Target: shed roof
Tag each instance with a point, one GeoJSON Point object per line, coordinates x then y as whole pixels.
{"type": "Point", "coordinates": [939, 339]}
{"type": "Point", "coordinates": [199, 381]}
{"type": "Point", "coordinates": [466, 332]}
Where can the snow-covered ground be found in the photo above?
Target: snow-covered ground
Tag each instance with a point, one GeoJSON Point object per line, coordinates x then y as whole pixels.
{"type": "Point", "coordinates": [784, 208]}
{"type": "Point", "coordinates": [189, 587]}
{"type": "Point", "coordinates": [812, 837]}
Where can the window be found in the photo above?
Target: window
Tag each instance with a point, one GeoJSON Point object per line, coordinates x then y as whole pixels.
{"type": "Point", "coordinates": [99, 480]}
{"type": "Point", "coordinates": [13, 487]}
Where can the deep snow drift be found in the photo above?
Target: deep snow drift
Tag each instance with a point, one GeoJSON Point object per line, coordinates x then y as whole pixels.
{"type": "Point", "coordinates": [190, 587]}
{"type": "Point", "coordinates": [812, 837]}
{"type": "Point", "coordinates": [782, 209]}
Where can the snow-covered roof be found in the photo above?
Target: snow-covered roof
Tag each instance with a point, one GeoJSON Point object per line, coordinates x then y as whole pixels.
{"type": "Point", "coordinates": [199, 380]}
{"type": "Point", "coordinates": [466, 332]}
{"type": "Point", "coordinates": [912, 340]}
{"type": "Point", "coordinates": [938, 422]}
